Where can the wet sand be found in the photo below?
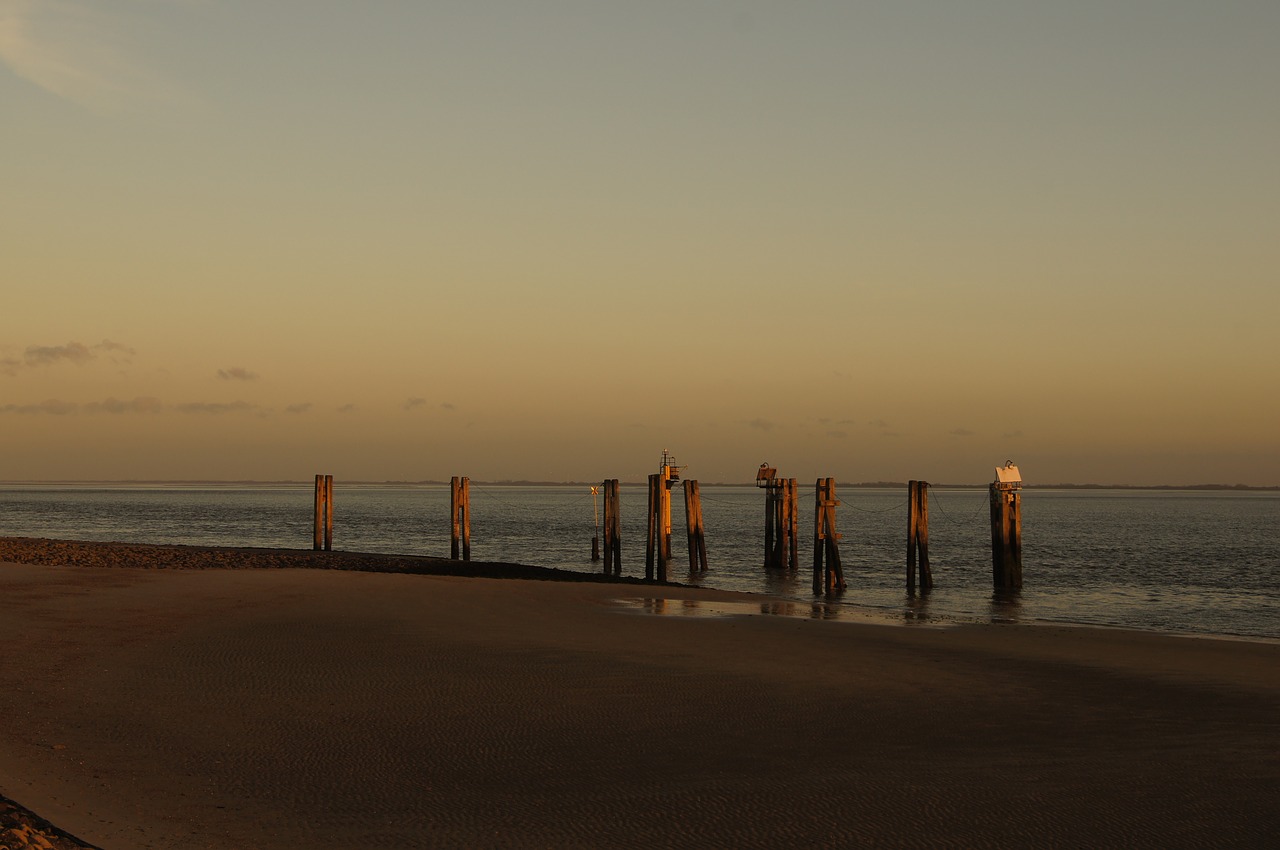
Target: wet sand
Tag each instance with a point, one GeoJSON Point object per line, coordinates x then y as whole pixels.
{"type": "Point", "coordinates": [288, 707]}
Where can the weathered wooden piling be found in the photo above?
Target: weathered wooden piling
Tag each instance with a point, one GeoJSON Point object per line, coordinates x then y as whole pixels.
{"type": "Point", "coordinates": [828, 576]}
{"type": "Point", "coordinates": [595, 538]}
{"type": "Point", "coordinates": [781, 519]}
{"type": "Point", "coordinates": [918, 535]}
{"type": "Point", "coordinates": [322, 536]}
{"type": "Point", "coordinates": [1006, 528]}
{"type": "Point", "coordinates": [612, 529]}
{"type": "Point", "coordinates": [460, 517]}
{"type": "Point", "coordinates": [791, 522]}
{"type": "Point", "coordinates": [693, 523]}
{"type": "Point", "coordinates": [658, 546]}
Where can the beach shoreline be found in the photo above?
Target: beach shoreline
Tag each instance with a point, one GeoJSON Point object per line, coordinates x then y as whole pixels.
{"type": "Point", "coordinates": [288, 706]}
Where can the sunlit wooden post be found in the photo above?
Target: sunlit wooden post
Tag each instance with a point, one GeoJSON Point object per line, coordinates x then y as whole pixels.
{"type": "Point", "coordinates": [662, 522]}
{"type": "Point", "coordinates": [1006, 528]}
{"type": "Point", "coordinates": [460, 517]}
{"type": "Point", "coordinates": [918, 535]}
{"type": "Point", "coordinates": [322, 532]}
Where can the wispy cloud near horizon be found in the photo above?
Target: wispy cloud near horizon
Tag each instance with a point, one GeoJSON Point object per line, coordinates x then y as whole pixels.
{"type": "Point", "coordinates": [38, 356]}
{"type": "Point", "coordinates": [76, 51]}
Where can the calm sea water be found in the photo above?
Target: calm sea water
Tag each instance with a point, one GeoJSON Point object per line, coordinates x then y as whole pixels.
{"type": "Point", "coordinates": [1183, 561]}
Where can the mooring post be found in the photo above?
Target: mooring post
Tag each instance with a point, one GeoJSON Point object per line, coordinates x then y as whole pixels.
{"type": "Point", "coordinates": [663, 524]}
{"type": "Point", "coordinates": [595, 514]}
{"type": "Point", "coordinates": [652, 527]}
{"type": "Point", "coordinates": [460, 518]}
{"type": "Point", "coordinates": [1006, 528]}
{"type": "Point", "coordinates": [466, 519]}
{"type": "Point", "coordinates": [328, 513]}
{"type": "Point", "coordinates": [918, 535]}
{"type": "Point", "coordinates": [317, 535]}
{"type": "Point", "coordinates": [693, 522]}
{"type": "Point", "coordinates": [612, 529]}
{"type": "Point", "coordinates": [792, 515]}
{"type": "Point", "coordinates": [828, 576]}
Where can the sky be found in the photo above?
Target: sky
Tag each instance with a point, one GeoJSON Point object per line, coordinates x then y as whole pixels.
{"type": "Point", "coordinates": [264, 239]}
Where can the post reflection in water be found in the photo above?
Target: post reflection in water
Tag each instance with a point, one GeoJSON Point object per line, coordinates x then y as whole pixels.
{"type": "Point", "coordinates": [1006, 605]}
{"type": "Point", "coordinates": [916, 608]}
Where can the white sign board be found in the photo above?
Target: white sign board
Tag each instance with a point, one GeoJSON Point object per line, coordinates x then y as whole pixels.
{"type": "Point", "coordinates": [1008, 475]}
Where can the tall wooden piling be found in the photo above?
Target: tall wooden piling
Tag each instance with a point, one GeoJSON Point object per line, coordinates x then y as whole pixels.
{"type": "Point", "coordinates": [791, 521]}
{"type": "Point", "coordinates": [828, 576]}
{"type": "Point", "coordinates": [657, 552]}
{"type": "Point", "coordinates": [612, 553]}
{"type": "Point", "coordinates": [1006, 537]}
{"type": "Point", "coordinates": [612, 529]}
{"type": "Point", "coordinates": [651, 527]}
{"type": "Point", "coordinates": [1006, 528]}
{"type": "Point", "coordinates": [460, 517]}
{"type": "Point", "coordinates": [693, 523]}
{"type": "Point", "coordinates": [918, 535]}
{"type": "Point", "coordinates": [781, 521]}
{"type": "Point", "coordinates": [595, 537]}
{"type": "Point", "coordinates": [322, 534]}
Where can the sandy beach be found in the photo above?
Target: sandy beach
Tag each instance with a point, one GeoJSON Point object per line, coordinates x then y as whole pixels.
{"type": "Point", "coordinates": [294, 707]}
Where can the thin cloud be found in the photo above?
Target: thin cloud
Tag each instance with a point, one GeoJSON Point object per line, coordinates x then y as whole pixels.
{"type": "Point", "coordinates": [448, 406]}
{"type": "Point", "coordinates": [48, 355]}
{"type": "Point", "coordinates": [116, 407]}
{"type": "Point", "coordinates": [50, 407]}
{"type": "Point", "coordinates": [76, 353]}
{"type": "Point", "coordinates": [77, 52]}
{"type": "Point", "coordinates": [237, 373]}
{"type": "Point", "coordinates": [762, 424]}
{"type": "Point", "coordinates": [346, 408]}
{"type": "Point", "coordinates": [216, 408]}
{"type": "Point", "coordinates": [961, 432]}
{"type": "Point", "coordinates": [412, 403]}
{"type": "Point", "coordinates": [299, 408]}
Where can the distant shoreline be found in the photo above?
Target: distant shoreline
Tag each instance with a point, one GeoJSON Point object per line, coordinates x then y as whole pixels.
{"type": "Point", "coordinates": [866, 485]}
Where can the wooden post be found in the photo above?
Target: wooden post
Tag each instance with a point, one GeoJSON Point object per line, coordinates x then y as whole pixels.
{"type": "Point", "coordinates": [466, 519]}
{"type": "Point", "coordinates": [791, 517]}
{"type": "Point", "coordinates": [770, 523]}
{"type": "Point", "coordinates": [918, 535]}
{"type": "Point", "coordinates": [612, 528]}
{"type": "Point", "coordinates": [651, 532]}
{"type": "Point", "coordinates": [1006, 537]}
{"type": "Point", "coordinates": [322, 535]}
{"type": "Point", "coordinates": [693, 522]}
{"type": "Point", "coordinates": [328, 513]}
{"type": "Point", "coordinates": [595, 537]}
{"type": "Point", "coordinates": [828, 576]}
{"type": "Point", "coordinates": [922, 534]}
{"type": "Point", "coordinates": [460, 518]}
{"type": "Point", "coordinates": [662, 523]}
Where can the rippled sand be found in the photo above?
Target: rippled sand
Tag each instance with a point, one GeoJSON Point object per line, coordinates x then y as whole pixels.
{"type": "Point", "coordinates": [293, 708]}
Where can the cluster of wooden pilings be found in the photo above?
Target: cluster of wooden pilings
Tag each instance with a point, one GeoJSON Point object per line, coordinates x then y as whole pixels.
{"type": "Point", "coordinates": [781, 526]}
{"type": "Point", "coordinates": [657, 549]}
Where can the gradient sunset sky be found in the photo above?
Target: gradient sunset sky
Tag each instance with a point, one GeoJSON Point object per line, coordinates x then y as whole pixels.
{"type": "Point", "coordinates": [261, 239]}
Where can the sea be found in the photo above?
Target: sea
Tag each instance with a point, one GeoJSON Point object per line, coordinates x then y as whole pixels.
{"type": "Point", "coordinates": [1191, 562]}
